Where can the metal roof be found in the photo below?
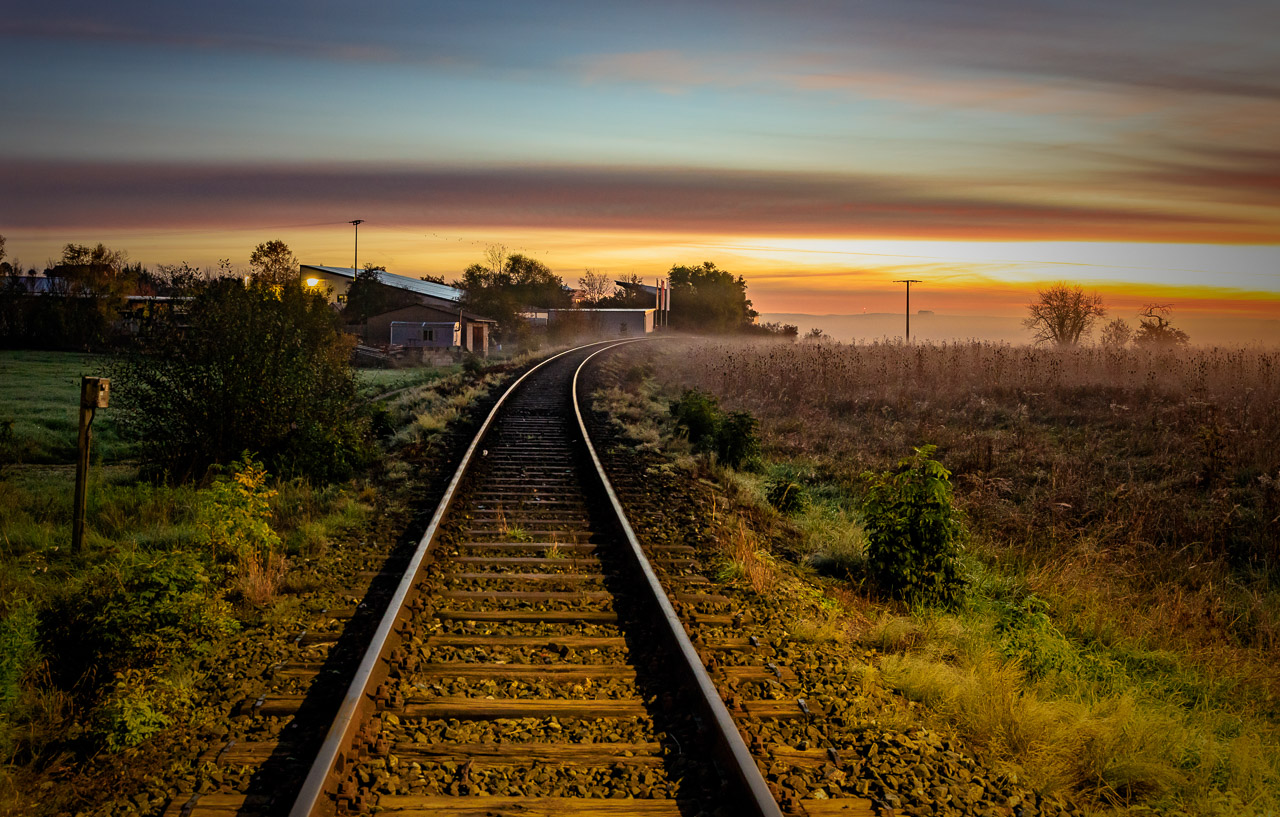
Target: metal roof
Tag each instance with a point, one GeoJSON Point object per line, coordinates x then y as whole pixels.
{"type": "Point", "coordinates": [428, 288]}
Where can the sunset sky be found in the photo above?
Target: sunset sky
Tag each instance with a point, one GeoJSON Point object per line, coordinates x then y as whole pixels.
{"type": "Point", "coordinates": [822, 149]}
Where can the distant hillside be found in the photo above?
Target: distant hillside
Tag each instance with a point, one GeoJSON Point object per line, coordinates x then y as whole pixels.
{"type": "Point", "coordinates": [940, 327]}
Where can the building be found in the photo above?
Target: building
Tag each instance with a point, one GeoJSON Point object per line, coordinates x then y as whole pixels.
{"type": "Point", "coordinates": [607, 322]}
{"type": "Point", "coordinates": [473, 331]}
{"type": "Point", "coordinates": [435, 304]}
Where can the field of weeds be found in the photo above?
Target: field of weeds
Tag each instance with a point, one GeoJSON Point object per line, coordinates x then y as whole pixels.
{"type": "Point", "coordinates": [1118, 641]}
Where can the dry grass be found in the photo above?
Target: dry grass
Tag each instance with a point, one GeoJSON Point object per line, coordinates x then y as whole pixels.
{"type": "Point", "coordinates": [1120, 644]}
{"type": "Point", "coordinates": [261, 577]}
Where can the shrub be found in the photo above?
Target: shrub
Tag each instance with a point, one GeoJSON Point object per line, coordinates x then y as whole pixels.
{"type": "Point", "coordinates": [137, 611]}
{"type": "Point", "coordinates": [256, 367]}
{"type": "Point", "coordinates": [234, 518]}
{"type": "Point", "coordinates": [697, 416]}
{"type": "Point", "coordinates": [914, 531]}
{"type": "Point", "coordinates": [731, 436]}
{"type": "Point", "coordinates": [137, 706]}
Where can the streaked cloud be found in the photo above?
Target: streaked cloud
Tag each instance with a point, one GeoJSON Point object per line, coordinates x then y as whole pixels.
{"type": "Point", "coordinates": [672, 199]}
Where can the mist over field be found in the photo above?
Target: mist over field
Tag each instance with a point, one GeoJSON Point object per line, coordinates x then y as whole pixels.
{"type": "Point", "coordinates": [1204, 330]}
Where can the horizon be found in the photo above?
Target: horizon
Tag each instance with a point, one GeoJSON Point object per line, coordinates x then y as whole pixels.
{"type": "Point", "coordinates": [819, 152]}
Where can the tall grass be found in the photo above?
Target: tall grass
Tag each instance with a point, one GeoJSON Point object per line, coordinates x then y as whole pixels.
{"type": "Point", "coordinates": [1120, 643]}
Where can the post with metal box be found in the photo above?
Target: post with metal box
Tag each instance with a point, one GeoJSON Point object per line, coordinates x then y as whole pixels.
{"type": "Point", "coordinates": [95, 393]}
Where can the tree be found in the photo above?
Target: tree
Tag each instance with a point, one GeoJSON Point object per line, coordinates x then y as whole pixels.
{"type": "Point", "coordinates": [1062, 314]}
{"type": "Point", "coordinates": [1155, 330]}
{"type": "Point", "coordinates": [273, 262]}
{"type": "Point", "coordinates": [520, 283]}
{"type": "Point", "coordinates": [594, 287]}
{"type": "Point", "coordinates": [707, 299]}
{"type": "Point", "coordinates": [1117, 334]}
{"type": "Point", "coordinates": [261, 368]}
{"type": "Point", "coordinates": [175, 279]}
{"type": "Point", "coordinates": [90, 285]}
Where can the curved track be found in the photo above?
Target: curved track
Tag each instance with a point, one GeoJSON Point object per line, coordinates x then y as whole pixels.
{"type": "Point", "coordinates": [529, 662]}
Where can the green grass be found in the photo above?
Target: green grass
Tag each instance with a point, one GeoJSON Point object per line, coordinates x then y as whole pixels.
{"type": "Point", "coordinates": [40, 396]}
{"type": "Point", "coordinates": [374, 382]}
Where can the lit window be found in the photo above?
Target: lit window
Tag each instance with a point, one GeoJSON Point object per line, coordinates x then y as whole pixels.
{"type": "Point", "coordinates": [312, 281]}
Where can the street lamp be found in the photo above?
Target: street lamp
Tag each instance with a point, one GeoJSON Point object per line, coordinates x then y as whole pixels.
{"type": "Point", "coordinates": [355, 258]}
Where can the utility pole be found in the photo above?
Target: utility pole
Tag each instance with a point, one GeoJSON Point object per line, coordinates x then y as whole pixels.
{"type": "Point", "coordinates": [355, 258]}
{"type": "Point", "coordinates": [909, 282]}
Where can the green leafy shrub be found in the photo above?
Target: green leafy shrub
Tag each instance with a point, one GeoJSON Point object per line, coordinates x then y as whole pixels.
{"type": "Point", "coordinates": [697, 416]}
{"type": "Point", "coordinates": [136, 611]}
{"type": "Point", "coordinates": [234, 517]}
{"type": "Point", "coordinates": [137, 706]}
{"type": "Point", "coordinates": [737, 439]}
{"type": "Point", "coordinates": [914, 531]}
{"type": "Point", "coordinates": [259, 367]}
{"type": "Point", "coordinates": [732, 436]}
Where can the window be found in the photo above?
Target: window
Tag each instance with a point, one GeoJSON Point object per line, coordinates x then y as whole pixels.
{"type": "Point", "coordinates": [342, 299]}
{"type": "Point", "coordinates": [431, 336]}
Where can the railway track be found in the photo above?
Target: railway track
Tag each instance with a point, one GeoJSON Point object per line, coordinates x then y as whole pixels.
{"type": "Point", "coordinates": [530, 662]}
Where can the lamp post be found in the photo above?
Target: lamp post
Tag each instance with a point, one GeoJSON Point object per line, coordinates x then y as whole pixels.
{"type": "Point", "coordinates": [909, 282]}
{"type": "Point", "coordinates": [355, 258]}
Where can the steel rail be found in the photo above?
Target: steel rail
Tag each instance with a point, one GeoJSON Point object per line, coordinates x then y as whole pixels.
{"type": "Point", "coordinates": [311, 800]}
{"type": "Point", "coordinates": [733, 748]}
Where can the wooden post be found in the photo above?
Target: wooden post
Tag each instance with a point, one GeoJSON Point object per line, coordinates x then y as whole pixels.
{"type": "Point", "coordinates": [94, 394]}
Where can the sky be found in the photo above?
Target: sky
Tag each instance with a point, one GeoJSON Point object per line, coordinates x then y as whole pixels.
{"type": "Point", "coordinates": [822, 149]}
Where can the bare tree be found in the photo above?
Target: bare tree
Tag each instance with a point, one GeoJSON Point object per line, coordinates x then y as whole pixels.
{"type": "Point", "coordinates": [273, 262]}
{"type": "Point", "coordinates": [1062, 314]}
{"type": "Point", "coordinates": [594, 286]}
{"type": "Point", "coordinates": [1117, 334]}
{"type": "Point", "coordinates": [1154, 328]}
{"type": "Point", "coordinates": [495, 255]}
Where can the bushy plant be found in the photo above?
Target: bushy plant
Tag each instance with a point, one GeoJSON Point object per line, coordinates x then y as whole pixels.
{"type": "Point", "coordinates": [234, 517]}
{"type": "Point", "coordinates": [259, 367]}
{"type": "Point", "coordinates": [732, 436]}
{"type": "Point", "coordinates": [137, 706]}
{"type": "Point", "coordinates": [136, 611]}
{"type": "Point", "coordinates": [914, 531]}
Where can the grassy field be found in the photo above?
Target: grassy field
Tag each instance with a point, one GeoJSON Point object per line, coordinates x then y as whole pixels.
{"type": "Point", "coordinates": [1119, 639]}
{"type": "Point", "coordinates": [39, 407]}
{"type": "Point", "coordinates": [374, 382]}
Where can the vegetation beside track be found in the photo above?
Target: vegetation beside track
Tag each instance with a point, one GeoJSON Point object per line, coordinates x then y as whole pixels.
{"type": "Point", "coordinates": [1117, 643]}
{"type": "Point", "coordinates": [120, 665]}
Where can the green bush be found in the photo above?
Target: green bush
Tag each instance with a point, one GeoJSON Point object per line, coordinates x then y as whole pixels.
{"type": "Point", "coordinates": [731, 436]}
{"type": "Point", "coordinates": [234, 516]}
{"type": "Point", "coordinates": [137, 611]}
{"type": "Point", "coordinates": [257, 367]}
{"type": "Point", "coordinates": [914, 531]}
{"type": "Point", "coordinates": [137, 706]}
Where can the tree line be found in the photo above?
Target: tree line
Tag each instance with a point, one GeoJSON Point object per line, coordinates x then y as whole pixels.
{"type": "Point", "coordinates": [1064, 314]}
